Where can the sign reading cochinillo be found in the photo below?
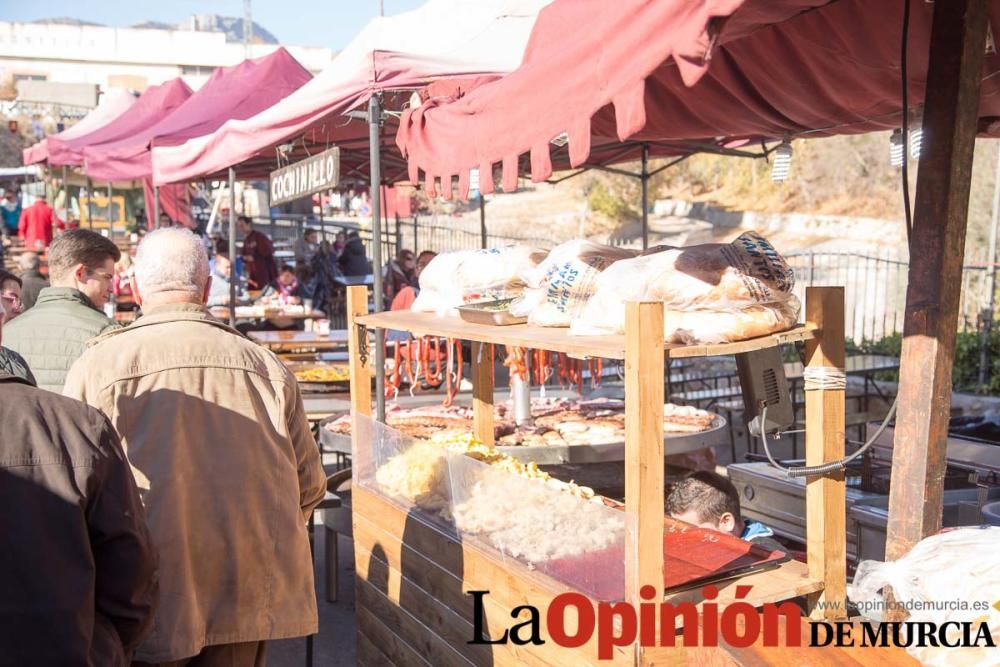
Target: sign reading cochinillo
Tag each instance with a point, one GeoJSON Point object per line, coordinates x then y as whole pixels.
{"type": "Point", "coordinates": [316, 173]}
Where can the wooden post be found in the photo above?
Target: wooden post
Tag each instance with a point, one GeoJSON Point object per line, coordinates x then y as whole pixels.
{"type": "Point", "coordinates": [937, 247]}
{"type": "Point", "coordinates": [482, 392]}
{"type": "Point", "coordinates": [644, 363]}
{"type": "Point", "coordinates": [360, 364]}
{"type": "Point", "coordinates": [826, 496]}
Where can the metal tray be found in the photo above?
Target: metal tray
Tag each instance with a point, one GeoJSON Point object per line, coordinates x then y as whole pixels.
{"type": "Point", "coordinates": [476, 313]}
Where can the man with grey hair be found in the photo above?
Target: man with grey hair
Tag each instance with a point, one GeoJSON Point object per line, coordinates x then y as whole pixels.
{"type": "Point", "coordinates": [32, 280]}
{"type": "Point", "coordinates": [229, 472]}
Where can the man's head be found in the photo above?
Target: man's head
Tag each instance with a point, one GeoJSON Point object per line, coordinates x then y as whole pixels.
{"type": "Point", "coordinates": [423, 259]}
{"type": "Point", "coordinates": [10, 294]}
{"type": "Point", "coordinates": [223, 267]}
{"type": "Point", "coordinates": [10, 195]}
{"type": "Point", "coordinates": [406, 259]}
{"type": "Point", "coordinates": [165, 221]}
{"type": "Point", "coordinates": [706, 500]}
{"type": "Point", "coordinates": [29, 261]}
{"type": "Point", "coordinates": [244, 224]}
{"type": "Point", "coordinates": [171, 267]}
{"type": "Point", "coordinates": [286, 276]}
{"type": "Point", "coordinates": [340, 237]}
{"type": "Point", "coordinates": [310, 236]}
{"type": "Point", "coordinates": [84, 260]}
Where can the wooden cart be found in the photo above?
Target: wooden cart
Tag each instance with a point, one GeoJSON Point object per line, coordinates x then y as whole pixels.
{"type": "Point", "coordinates": [413, 575]}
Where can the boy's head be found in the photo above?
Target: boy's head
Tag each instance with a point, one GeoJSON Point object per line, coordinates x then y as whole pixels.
{"type": "Point", "coordinates": [707, 500]}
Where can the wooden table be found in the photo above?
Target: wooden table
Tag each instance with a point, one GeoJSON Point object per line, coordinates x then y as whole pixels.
{"type": "Point", "coordinates": [291, 341]}
{"type": "Point", "coordinates": [222, 312]}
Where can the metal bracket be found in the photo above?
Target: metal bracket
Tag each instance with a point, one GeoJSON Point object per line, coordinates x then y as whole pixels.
{"type": "Point", "coordinates": [363, 354]}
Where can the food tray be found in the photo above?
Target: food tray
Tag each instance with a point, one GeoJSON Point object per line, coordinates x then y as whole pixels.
{"type": "Point", "coordinates": [318, 386]}
{"type": "Point", "coordinates": [673, 443]}
{"type": "Point", "coordinates": [490, 313]}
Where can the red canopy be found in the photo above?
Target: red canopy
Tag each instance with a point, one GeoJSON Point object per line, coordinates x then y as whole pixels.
{"type": "Point", "coordinates": [680, 75]}
{"type": "Point", "coordinates": [236, 92]}
{"type": "Point", "coordinates": [156, 103]}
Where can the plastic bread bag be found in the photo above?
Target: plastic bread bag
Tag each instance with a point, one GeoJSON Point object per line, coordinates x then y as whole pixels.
{"type": "Point", "coordinates": [558, 288]}
{"type": "Point", "coordinates": [948, 577]}
{"type": "Point", "coordinates": [455, 278]}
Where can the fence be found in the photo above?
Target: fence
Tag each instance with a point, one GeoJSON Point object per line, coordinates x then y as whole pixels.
{"type": "Point", "coordinates": [875, 290]}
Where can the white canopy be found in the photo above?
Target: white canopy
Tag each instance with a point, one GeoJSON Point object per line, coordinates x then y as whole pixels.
{"type": "Point", "coordinates": [441, 39]}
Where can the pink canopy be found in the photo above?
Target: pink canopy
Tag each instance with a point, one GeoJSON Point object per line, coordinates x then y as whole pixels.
{"type": "Point", "coordinates": [456, 38]}
{"type": "Point", "coordinates": [232, 92]}
{"type": "Point", "coordinates": [680, 76]}
{"type": "Point", "coordinates": [154, 104]}
{"type": "Point", "coordinates": [114, 102]}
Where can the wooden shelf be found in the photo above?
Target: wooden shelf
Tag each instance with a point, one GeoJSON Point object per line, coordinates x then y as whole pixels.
{"type": "Point", "coordinates": [559, 339]}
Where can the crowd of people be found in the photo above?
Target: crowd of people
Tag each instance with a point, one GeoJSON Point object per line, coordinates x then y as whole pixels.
{"type": "Point", "coordinates": [146, 531]}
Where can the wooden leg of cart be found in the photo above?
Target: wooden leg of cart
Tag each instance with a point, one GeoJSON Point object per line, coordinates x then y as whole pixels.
{"type": "Point", "coordinates": [826, 496]}
{"type": "Point", "coordinates": [482, 392]}
{"type": "Point", "coordinates": [359, 363]}
{"type": "Point", "coordinates": [644, 364]}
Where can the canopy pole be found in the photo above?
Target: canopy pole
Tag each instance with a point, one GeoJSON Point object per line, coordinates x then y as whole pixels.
{"type": "Point", "coordinates": [90, 203]}
{"type": "Point", "coordinates": [233, 276]}
{"type": "Point", "coordinates": [155, 221]}
{"type": "Point", "coordinates": [65, 184]}
{"type": "Point", "coordinates": [991, 279]}
{"type": "Point", "coordinates": [111, 222]}
{"type": "Point", "coordinates": [958, 40]}
{"type": "Point", "coordinates": [482, 222]}
{"type": "Point", "coordinates": [375, 187]}
{"type": "Point", "coordinates": [644, 178]}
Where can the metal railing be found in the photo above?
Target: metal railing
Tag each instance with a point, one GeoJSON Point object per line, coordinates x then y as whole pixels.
{"type": "Point", "coordinates": [875, 290]}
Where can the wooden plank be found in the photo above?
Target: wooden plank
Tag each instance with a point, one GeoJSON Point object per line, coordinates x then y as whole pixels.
{"type": "Point", "coordinates": [391, 644]}
{"type": "Point", "coordinates": [558, 339]}
{"type": "Point", "coordinates": [454, 626]}
{"type": "Point", "coordinates": [937, 248]}
{"type": "Point", "coordinates": [367, 655]}
{"type": "Point", "coordinates": [643, 450]}
{"type": "Point", "coordinates": [410, 629]}
{"type": "Point", "coordinates": [360, 364]}
{"type": "Point", "coordinates": [482, 393]}
{"type": "Point", "coordinates": [826, 496]}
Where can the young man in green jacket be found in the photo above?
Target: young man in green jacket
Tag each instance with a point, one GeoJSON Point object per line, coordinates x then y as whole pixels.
{"type": "Point", "coordinates": [54, 333]}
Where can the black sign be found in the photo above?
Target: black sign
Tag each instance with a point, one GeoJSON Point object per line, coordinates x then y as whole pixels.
{"type": "Point", "coordinates": [316, 173]}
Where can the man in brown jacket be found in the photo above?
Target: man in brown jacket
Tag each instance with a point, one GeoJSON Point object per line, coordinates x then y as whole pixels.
{"type": "Point", "coordinates": [228, 470]}
{"type": "Point", "coordinates": [77, 569]}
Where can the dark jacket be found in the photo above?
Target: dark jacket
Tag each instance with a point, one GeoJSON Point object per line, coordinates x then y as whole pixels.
{"type": "Point", "coordinates": [353, 261]}
{"type": "Point", "coordinates": [14, 364]}
{"type": "Point", "coordinates": [53, 334]}
{"type": "Point", "coordinates": [32, 282]}
{"type": "Point", "coordinates": [77, 569]}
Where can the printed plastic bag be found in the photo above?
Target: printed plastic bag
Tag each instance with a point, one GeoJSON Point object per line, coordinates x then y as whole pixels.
{"type": "Point", "coordinates": [455, 278]}
{"type": "Point", "coordinates": [948, 577]}
{"type": "Point", "coordinates": [713, 292]}
{"type": "Point", "coordinates": [559, 287]}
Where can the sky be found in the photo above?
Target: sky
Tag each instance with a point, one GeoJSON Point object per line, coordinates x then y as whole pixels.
{"type": "Point", "coordinates": [329, 23]}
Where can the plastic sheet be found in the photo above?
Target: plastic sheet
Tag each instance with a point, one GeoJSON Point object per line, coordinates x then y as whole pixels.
{"type": "Point", "coordinates": [559, 288]}
{"type": "Point", "coordinates": [466, 276]}
{"type": "Point", "coordinates": [931, 581]}
{"type": "Point", "coordinates": [713, 293]}
{"type": "Point", "coordinates": [579, 542]}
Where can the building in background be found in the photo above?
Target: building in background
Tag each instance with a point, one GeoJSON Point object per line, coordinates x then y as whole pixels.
{"type": "Point", "coordinates": [68, 51]}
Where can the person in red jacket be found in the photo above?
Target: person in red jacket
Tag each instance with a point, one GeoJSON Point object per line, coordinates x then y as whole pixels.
{"type": "Point", "coordinates": [36, 224]}
{"type": "Point", "coordinates": [258, 255]}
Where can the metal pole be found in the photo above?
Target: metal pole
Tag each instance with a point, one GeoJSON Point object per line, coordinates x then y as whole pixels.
{"type": "Point", "coordinates": [65, 180]}
{"type": "Point", "coordinates": [482, 222]}
{"type": "Point", "coordinates": [374, 132]}
{"type": "Point", "coordinates": [90, 203]}
{"type": "Point", "coordinates": [111, 222]}
{"type": "Point", "coordinates": [155, 221]}
{"type": "Point", "coordinates": [233, 276]}
{"type": "Point", "coordinates": [991, 280]}
{"type": "Point", "coordinates": [644, 177]}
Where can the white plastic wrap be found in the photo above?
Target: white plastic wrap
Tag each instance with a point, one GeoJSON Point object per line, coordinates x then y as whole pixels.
{"type": "Point", "coordinates": [713, 293]}
{"type": "Point", "coordinates": [455, 278]}
{"type": "Point", "coordinates": [932, 581]}
{"type": "Point", "coordinates": [558, 288]}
